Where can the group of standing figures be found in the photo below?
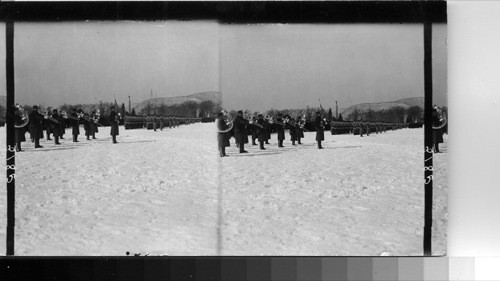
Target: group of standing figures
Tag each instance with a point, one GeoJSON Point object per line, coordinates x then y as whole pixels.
{"type": "Point", "coordinates": [259, 129]}
{"type": "Point", "coordinates": [55, 123]}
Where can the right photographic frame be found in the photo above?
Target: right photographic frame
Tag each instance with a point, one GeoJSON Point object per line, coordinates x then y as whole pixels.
{"type": "Point", "coordinates": [325, 154]}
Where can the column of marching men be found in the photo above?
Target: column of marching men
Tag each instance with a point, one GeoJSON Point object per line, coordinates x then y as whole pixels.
{"type": "Point", "coordinates": [157, 122]}
{"type": "Point", "coordinates": [260, 129]}
{"type": "Point", "coordinates": [56, 122]}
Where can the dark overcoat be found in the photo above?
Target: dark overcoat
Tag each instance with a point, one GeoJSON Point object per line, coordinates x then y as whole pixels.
{"type": "Point", "coordinates": [261, 131]}
{"type": "Point", "coordinates": [20, 133]}
{"type": "Point", "coordinates": [222, 138]}
{"type": "Point", "coordinates": [280, 129]}
{"type": "Point", "coordinates": [240, 129]}
{"type": "Point", "coordinates": [87, 127]}
{"type": "Point", "coordinates": [267, 130]}
{"type": "Point", "coordinates": [62, 125]}
{"type": "Point", "coordinates": [437, 134]}
{"type": "Point", "coordinates": [75, 124]}
{"type": "Point", "coordinates": [56, 127]}
{"type": "Point", "coordinates": [36, 120]}
{"type": "Point", "coordinates": [293, 132]}
{"type": "Point", "coordinates": [114, 124]}
{"type": "Point", "coordinates": [320, 132]}
{"type": "Point", "coordinates": [300, 132]}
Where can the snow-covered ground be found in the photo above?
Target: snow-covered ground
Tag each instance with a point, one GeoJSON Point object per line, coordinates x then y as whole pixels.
{"type": "Point", "coordinates": [168, 193]}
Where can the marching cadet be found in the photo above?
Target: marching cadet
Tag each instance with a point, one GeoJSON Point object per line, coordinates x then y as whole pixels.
{"type": "Point", "coordinates": [319, 126]}
{"type": "Point", "coordinates": [75, 124]}
{"type": "Point", "coordinates": [87, 126]}
{"type": "Point", "coordinates": [56, 119]}
{"type": "Point", "coordinates": [93, 123]}
{"type": "Point", "coordinates": [113, 119]}
{"type": "Point", "coordinates": [293, 131]}
{"type": "Point", "coordinates": [255, 134]}
{"type": "Point", "coordinates": [48, 125]}
{"type": "Point", "coordinates": [267, 130]}
{"type": "Point", "coordinates": [367, 126]}
{"type": "Point", "coordinates": [299, 128]}
{"type": "Point", "coordinates": [62, 127]}
{"type": "Point", "coordinates": [154, 122]}
{"type": "Point", "coordinates": [245, 135]}
{"type": "Point", "coordinates": [281, 130]}
{"type": "Point", "coordinates": [261, 131]}
{"type": "Point", "coordinates": [360, 126]}
{"type": "Point", "coordinates": [20, 132]}
{"type": "Point", "coordinates": [221, 135]}
{"type": "Point", "coordinates": [437, 132]}
{"type": "Point", "coordinates": [161, 122]}
{"type": "Point", "coordinates": [240, 131]}
{"type": "Point", "coordinates": [36, 120]}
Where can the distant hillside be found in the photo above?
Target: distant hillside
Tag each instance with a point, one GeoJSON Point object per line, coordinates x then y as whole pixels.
{"type": "Point", "coordinates": [216, 97]}
{"type": "Point", "coordinates": [405, 103]}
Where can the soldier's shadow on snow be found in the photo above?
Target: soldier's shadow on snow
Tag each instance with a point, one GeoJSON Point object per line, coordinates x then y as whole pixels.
{"type": "Point", "coordinates": [253, 154]}
{"type": "Point", "coordinates": [342, 147]}
{"type": "Point", "coordinates": [135, 141]}
{"type": "Point", "coordinates": [285, 150]}
{"type": "Point", "coordinates": [51, 149]}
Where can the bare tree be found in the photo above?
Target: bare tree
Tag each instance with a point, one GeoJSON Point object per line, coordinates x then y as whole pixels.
{"type": "Point", "coordinates": [354, 115]}
{"type": "Point", "coordinates": [399, 113]}
{"type": "Point", "coordinates": [371, 115]}
{"type": "Point", "coordinates": [206, 108]}
{"type": "Point", "coordinates": [414, 113]}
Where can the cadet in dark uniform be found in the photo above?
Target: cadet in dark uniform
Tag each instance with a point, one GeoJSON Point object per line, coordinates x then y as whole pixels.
{"type": "Point", "coordinates": [281, 130]}
{"type": "Point", "coordinates": [62, 127]}
{"type": "Point", "coordinates": [254, 131]}
{"type": "Point", "coordinates": [240, 131]}
{"type": "Point", "coordinates": [293, 130]}
{"type": "Point", "coordinates": [437, 134]}
{"type": "Point", "coordinates": [113, 119]}
{"type": "Point", "coordinates": [319, 126]}
{"type": "Point", "coordinates": [36, 120]}
{"type": "Point", "coordinates": [94, 120]}
{"type": "Point", "coordinates": [20, 132]}
{"type": "Point", "coordinates": [55, 124]}
{"type": "Point", "coordinates": [267, 130]}
{"type": "Point", "coordinates": [221, 136]}
{"type": "Point", "coordinates": [92, 124]}
{"type": "Point", "coordinates": [261, 131]}
{"type": "Point", "coordinates": [48, 125]}
{"type": "Point", "coordinates": [87, 126]}
{"type": "Point", "coordinates": [75, 124]}
{"type": "Point", "coordinates": [300, 128]}
{"type": "Point", "coordinates": [161, 122]}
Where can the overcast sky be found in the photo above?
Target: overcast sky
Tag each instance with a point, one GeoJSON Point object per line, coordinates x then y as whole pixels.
{"type": "Point", "coordinates": [86, 62]}
{"type": "Point", "coordinates": [290, 66]}
{"type": "Point", "coordinates": [256, 67]}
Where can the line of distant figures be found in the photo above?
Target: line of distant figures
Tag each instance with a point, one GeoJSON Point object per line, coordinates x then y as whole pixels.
{"type": "Point", "coordinates": [261, 128]}
{"type": "Point", "coordinates": [159, 122]}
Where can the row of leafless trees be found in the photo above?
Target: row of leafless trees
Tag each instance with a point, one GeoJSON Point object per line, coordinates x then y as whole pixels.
{"type": "Point", "coordinates": [398, 114]}
{"type": "Point", "coordinates": [103, 108]}
{"type": "Point", "coordinates": [309, 112]}
{"type": "Point", "coordinates": [186, 109]}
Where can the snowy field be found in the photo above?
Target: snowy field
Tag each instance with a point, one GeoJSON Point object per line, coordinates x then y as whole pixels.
{"type": "Point", "coordinates": [168, 193]}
